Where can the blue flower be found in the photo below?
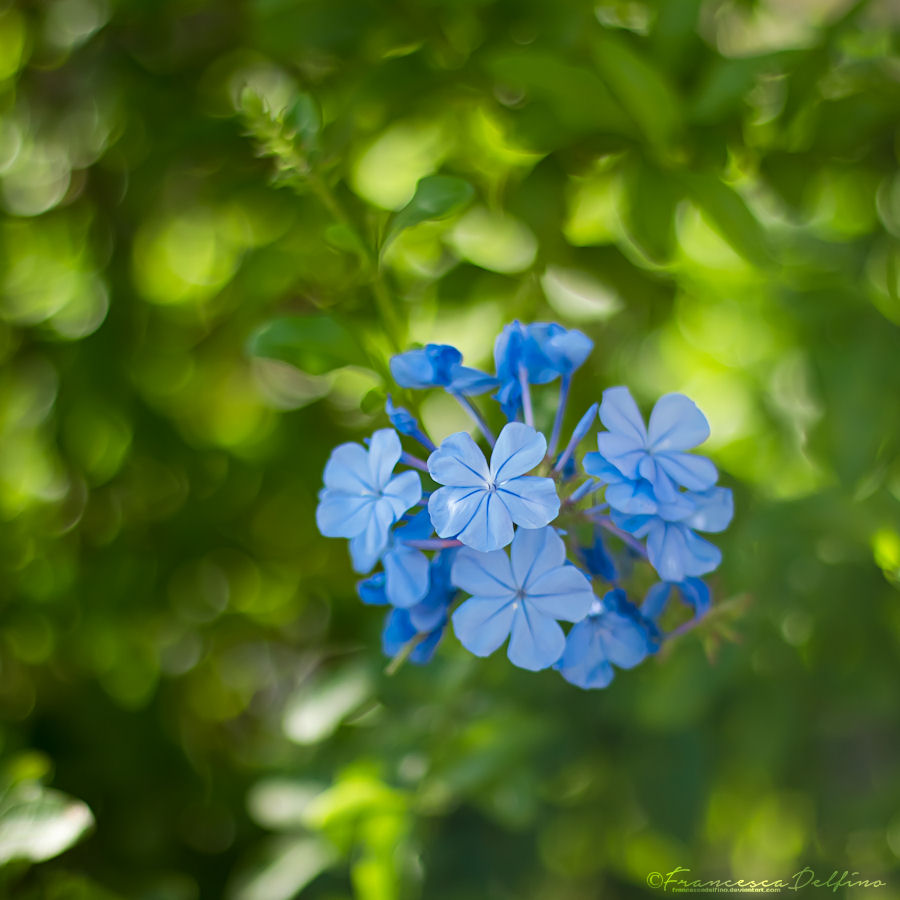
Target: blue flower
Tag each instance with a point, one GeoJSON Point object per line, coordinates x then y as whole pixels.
{"type": "Point", "coordinates": [693, 592]}
{"type": "Point", "coordinates": [520, 596]}
{"type": "Point", "coordinates": [426, 618]}
{"type": "Point", "coordinates": [479, 504]}
{"type": "Point", "coordinates": [653, 454]}
{"type": "Point", "coordinates": [544, 349]}
{"type": "Point", "coordinates": [613, 633]}
{"type": "Point", "coordinates": [439, 365]}
{"type": "Point", "coordinates": [362, 498]}
{"type": "Point", "coordinates": [597, 560]}
{"type": "Point", "coordinates": [672, 547]}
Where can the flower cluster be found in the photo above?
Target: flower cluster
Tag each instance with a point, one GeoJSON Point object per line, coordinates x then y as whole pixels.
{"type": "Point", "coordinates": [509, 539]}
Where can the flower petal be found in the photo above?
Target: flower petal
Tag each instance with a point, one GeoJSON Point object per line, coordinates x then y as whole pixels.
{"type": "Point", "coordinates": [563, 592]}
{"type": "Point", "coordinates": [583, 662]}
{"type": "Point", "coordinates": [518, 450]}
{"type": "Point", "coordinates": [619, 413]}
{"type": "Point", "coordinates": [483, 574]}
{"type": "Point", "coordinates": [403, 492]}
{"type": "Point", "coordinates": [535, 551]}
{"type": "Point", "coordinates": [696, 473]}
{"type": "Point", "coordinates": [471, 381]}
{"type": "Point", "coordinates": [452, 508]}
{"type": "Point", "coordinates": [491, 527]}
{"type": "Point", "coordinates": [568, 350]}
{"type": "Point", "coordinates": [676, 552]}
{"type": "Point", "coordinates": [676, 424]}
{"type": "Point", "coordinates": [371, 590]}
{"type": "Point", "coordinates": [406, 574]}
{"type": "Point", "coordinates": [532, 501]}
{"type": "Point", "coordinates": [713, 510]}
{"type": "Point", "coordinates": [343, 515]}
{"type": "Point", "coordinates": [458, 461]}
{"type": "Point", "coordinates": [624, 641]}
{"type": "Point", "coordinates": [655, 602]}
{"type": "Point", "coordinates": [536, 640]}
{"type": "Point", "coordinates": [622, 450]}
{"type": "Point", "coordinates": [384, 453]}
{"type": "Point", "coordinates": [347, 470]}
{"type": "Point", "coordinates": [482, 623]}
{"type": "Point", "coordinates": [597, 465]}
{"type": "Point", "coordinates": [633, 497]}
{"type": "Point", "coordinates": [367, 547]}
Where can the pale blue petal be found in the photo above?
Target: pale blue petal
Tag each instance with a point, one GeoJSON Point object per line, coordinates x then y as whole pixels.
{"type": "Point", "coordinates": [583, 663]}
{"type": "Point", "coordinates": [623, 451]}
{"type": "Point", "coordinates": [713, 510]}
{"type": "Point", "coordinates": [384, 453]}
{"type": "Point", "coordinates": [491, 527]}
{"type": "Point", "coordinates": [568, 350]}
{"type": "Point", "coordinates": [696, 473]}
{"type": "Point", "coordinates": [483, 574]}
{"type": "Point", "coordinates": [406, 574]}
{"type": "Point", "coordinates": [676, 424]}
{"type": "Point", "coordinates": [367, 547]}
{"type": "Point", "coordinates": [371, 590]}
{"type": "Point", "coordinates": [343, 515]}
{"type": "Point", "coordinates": [532, 501]}
{"type": "Point", "coordinates": [518, 450]}
{"type": "Point", "coordinates": [418, 528]}
{"type": "Point", "coordinates": [412, 369]}
{"type": "Point", "coordinates": [482, 623]}
{"type": "Point", "coordinates": [655, 602]}
{"type": "Point", "coordinates": [453, 508]}
{"type": "Point", "coordinates": [403, 492]}
{"type": "Point", "coordinates": [471, 381]}
{"type": "Point", "coordinates": [619, 413]}
{"type": "Point", "coordinates": [584, 425]}
{"type": "Point", "coordinates": [347, 470]}
{"type": "Point", "coordinates": [633, 497]}
{"type": "Point", "coordinates": [624, 641]}
{"type": "Point", "coordinates": [696, 594]}
{"type": "Point", "coordinates": [564, 593]}
{"type": "Point", "coordinates": [536, 641]}
{"type": "Point", "coordinates": [676, 552]}
{"type": "Point", "coordinates": [458, 461]}
{"type": "Point", "coordinates": [634, 525]}
{"type": "Point", "coordinates": [597, 465]}
{"type": "Point", "coordinates": [535, 551]}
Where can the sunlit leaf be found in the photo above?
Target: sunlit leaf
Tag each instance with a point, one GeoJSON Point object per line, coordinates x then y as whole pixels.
{"type": "Point", "coordinates": [314, 344]}
{"type": "Point", "coordinates": [436, 197]}
{"type": "Point", "coordinates": [38, 823]}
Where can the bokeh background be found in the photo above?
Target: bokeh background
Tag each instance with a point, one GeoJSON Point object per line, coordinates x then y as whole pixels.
{"type": "Point", "coordinates": [192, 696]}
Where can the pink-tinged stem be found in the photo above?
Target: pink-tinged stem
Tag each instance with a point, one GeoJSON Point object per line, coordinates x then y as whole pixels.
{"type": "Point", "coordinates": [414, 461]}
{"type": "Point", "coordinates": [526, 396]}
{"type": "Point", "coordinates": [560, 415]}
{"type": "Point", "coordinates": [623, 536]}
{"type": "Point", "coordinates": [434, 543]}
{"type": "Point", "coordinates": [469, 407]}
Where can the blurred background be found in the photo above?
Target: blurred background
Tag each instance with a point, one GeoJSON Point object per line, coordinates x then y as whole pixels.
{"type": "Point", "coordinates": [192, 314]}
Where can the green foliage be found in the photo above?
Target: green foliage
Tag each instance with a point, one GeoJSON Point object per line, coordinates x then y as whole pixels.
{"type": "Point", "coordinates": [217, 222]}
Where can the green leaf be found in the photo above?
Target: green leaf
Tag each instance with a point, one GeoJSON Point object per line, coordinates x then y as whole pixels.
{"type": "Point", "coordinates": [649, 215]}
{"type": "Point", "coordinates": [727, 212]}
{"type": "Point", "coordinates": [37, 823]}
{"type": "Point", "coordinates": [304, 120]}
{"type": "Point", "coordinates": [436, 197]}
{"type": "Point", "coordinates": [642, 90]}
{"type": "Point", "coordinates": [314, 344]}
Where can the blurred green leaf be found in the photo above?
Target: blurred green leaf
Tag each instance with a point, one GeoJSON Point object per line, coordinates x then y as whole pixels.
{"type": "Point", "coordinates": [283, 868]}
{"type": "Point", "coordinates": [314, 344]}
{"type": "Point", "coordinates": [649, 215]}
{"type": "Point", "coordinates": [642, 89]}
{"type": "Point", "coordinates": [303, 119]}
{"type": "Point", "coordinates": [436, 197]}
{"type": "Point", "coordinates": [38, 823]}
{"type": "Point", "coordinates": [729, 214]}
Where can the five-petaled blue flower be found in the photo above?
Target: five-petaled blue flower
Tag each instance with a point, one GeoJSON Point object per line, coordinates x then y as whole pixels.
{"type": "Point", "coordinates": [613, 633]}
{"type": "Point", "coordinates": [362, 498]}
{"type": "Point", "coordinates": [653, 456]}
{"type": "Point", "coordinates": [520, 596]}
{"type": "Point", "coordinates": [479, 503]}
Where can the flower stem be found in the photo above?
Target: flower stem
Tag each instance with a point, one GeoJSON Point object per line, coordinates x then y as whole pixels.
{"type": "Point", "coordinates": [414, 461]}
{"type": "Point", "coordinates": [584, 490]}
{"type": "Point", "coordinates": [560, 415]}
{"type": "Point", "coordinates": [526, 396]}
{"type": "Point", "coordinates": [469, 407]}
{"type": "Point", "coordinates": [624, 536]}
{"type": "Point", "coordinates": [403, 655]}
{"type": "Point", "coordinates": [433, 543]}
